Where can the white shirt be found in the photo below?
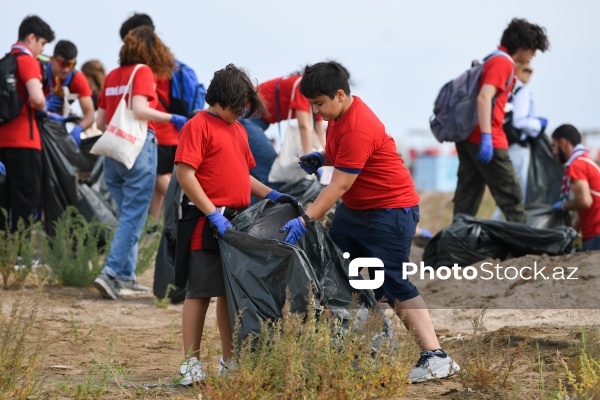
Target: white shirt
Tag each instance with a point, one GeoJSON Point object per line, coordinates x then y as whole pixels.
{"type": "Point", "coordinates": [524, 112]}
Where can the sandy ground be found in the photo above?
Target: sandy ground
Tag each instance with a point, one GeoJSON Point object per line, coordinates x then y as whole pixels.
{"type": "Point", "coordinates": [79, 325]}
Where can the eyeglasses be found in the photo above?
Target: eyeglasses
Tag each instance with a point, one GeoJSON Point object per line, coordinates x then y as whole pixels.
{"type": "Point", "coordinates": [528, 70]}
{"type": "Point", "coordinates": [65, 63]}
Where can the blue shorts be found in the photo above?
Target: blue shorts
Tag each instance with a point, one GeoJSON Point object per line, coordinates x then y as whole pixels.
{"type": "Point", "coordinates": [382, 233]}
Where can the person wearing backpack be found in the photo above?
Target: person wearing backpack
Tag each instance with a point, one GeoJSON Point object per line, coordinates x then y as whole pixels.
{"type": "Point", "coordinates": [20, 142]}
{"type": "Point", "coordinates": [483, 157]}
{"type": "Point", "coordinates": [179, 95]}
{"type": "Point", "coordinates": [60, 76]}
{"type": "Point", "coordinates": [521, 124]}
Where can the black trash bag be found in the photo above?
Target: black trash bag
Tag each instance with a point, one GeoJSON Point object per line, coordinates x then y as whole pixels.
{"type": "Point", "coordinates": [302, 189]}
{"type": "Point", "coordinates": [164, 270]}
{"type": "Point", "coordinates": [469, 239]}
{"type": "Point", "coordinates": [545, 173]}
{"type": "Point", "coordinates": [261, 272]}
{"type": "Point", "coordinates": [543, 216]}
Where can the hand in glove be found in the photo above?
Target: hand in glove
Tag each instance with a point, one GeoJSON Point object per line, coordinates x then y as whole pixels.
{"type": "Point", "coordinates": [178, 121]}
{"type": "Point", "coordinates": [219, 221]}
{"type": "Point", "coordinates": [311, 162]}
{"type": "Point", "coordinates": [55, 103]}
{"type": "Point", "coordinates": [486, 152]}
{"type": "Point", "coordinates": [76, 134]}
{"type": "Point", "coordinates": [277, 197]}
{"type": "Point", "coordinates": [296, 230]}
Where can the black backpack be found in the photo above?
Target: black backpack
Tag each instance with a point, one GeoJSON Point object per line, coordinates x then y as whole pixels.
{"type": "Point", "coordinates": [513, 135]}
{"type": "Point", "coordinates": [10, 102]}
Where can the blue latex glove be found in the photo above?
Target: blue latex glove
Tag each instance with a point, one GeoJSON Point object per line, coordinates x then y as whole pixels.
{"type": "Point", "coordinates": [76, 134]}
{"type": "Point", "coordinates": [426, 233]}
{"type": "Point", "coordinates": [52, 116]}
{"type": "Point", "coordinates": [486, 152]}
{"type": "Point", "coordinates": [55, 103]}
{"type": "Point", "coordinates": [277, 197]}
{"type": "Point", "coordinates": [219, 221]}
{"type": "Point", "coordinates": [311, 162]}
{"type": "Point", "coordinates": [559, 205]}
{"type": "Point", "coordinates": [2, 173]}
{"type": "Point", "coordinates": [178, 121]}
{"type": "Point", "coordinates": [544, 122]}
{"type": "Point", "coordinates": [296, 230]}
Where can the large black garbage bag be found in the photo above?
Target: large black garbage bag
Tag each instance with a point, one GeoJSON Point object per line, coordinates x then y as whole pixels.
{"type": "Point", "coordinates": [302, 189]}
{"type": "Point", "coordinates": [544, 216]}
{"type": "Point", "coordinates": [545, 173]}
{"type": "Point", "coordinates": [164, 270]}
{"type": "Point", "coordinates": [62, 183]}
{"type": "Point", "coordinates": [261, 272]}
{"type": "Point", "coordinates": [469, 239]}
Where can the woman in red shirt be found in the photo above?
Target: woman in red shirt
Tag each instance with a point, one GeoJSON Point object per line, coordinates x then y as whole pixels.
{"type": "Point", "coordinates": [132, 188]}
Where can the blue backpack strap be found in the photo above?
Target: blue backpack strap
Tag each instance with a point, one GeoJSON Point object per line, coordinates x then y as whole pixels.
{"type": "Point", "coordinates": [67, 81]}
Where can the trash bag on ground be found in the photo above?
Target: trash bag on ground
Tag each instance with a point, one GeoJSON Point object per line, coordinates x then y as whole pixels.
{"type": "Point", "coordinates": [261, 272]}
{"type": "Point", "coordinates": [545, 173]}
{"type": "Point", "coordinates": [469, 239]}
{"type": "Point", "coordinates": [64, 168]}
{"type": "Point", "coordinates": [544, 216]}
{"type": "Point", "coordinates": [164, 270]}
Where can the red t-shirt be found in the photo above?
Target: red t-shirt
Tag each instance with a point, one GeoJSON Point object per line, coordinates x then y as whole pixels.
{"type": "Point", "coordinates": [360, 142]}
{"type": "Point", "coordinates": [166, 132]}
{"type": "Point", "coordinates": [266, 90]}
{"type": "Point", "coordinates": [585, 169]}
{"type": "Point", "coordinates": [497, 72]}
{"type": "Point", "coordinates": [79, 86]}
{"type": "Point", "coordinates": [144, 84]}
{"type": "Point", "coordinates": [23, 132]}
{"type": "Point", "coordinates": [221, 155]}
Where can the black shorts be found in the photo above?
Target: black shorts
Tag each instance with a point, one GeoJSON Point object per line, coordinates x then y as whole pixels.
{"type": "Point", "coordinates": [165, 159]}
{"type": "Point", "coordinates": [206, 275]}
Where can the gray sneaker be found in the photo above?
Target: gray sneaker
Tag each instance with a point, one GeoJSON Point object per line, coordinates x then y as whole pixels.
{"type": "Point", "coordinates": [433, 365]}
{"type": "Point", "coordinates": [108, 286]}
{"type": "Point", "coordinates": [132, 287]}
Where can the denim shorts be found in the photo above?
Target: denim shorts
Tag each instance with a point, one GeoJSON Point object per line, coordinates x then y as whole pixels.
{"type": "Point", "coordinates": [382, 233]}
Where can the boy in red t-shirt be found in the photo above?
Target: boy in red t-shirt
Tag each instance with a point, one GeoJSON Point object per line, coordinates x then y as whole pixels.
{"type": "Point", "coordinates": [20, 143]}
{"type": "Point", "coordinates": [380, 211]}
{"type": "Point", "coordinates": [213, 167]}
{"type": "Point", "coordinates": [484, 156]}
{"type": "Point", "coordinates": [580, 189]}
{"type": "Point", "coordinates": [60, 71]}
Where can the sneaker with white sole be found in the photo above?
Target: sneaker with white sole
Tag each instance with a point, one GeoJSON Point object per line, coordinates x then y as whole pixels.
{"type": "Point", "coordinates": [132, 287]}
{"type": "Point", "coordinates": [226, 367]}
{"type": "Point", "coordinates": [434, 364]}
{"type": "Point", "coordinates": [191, 372]}
{"type": "Point", "coordinates": [108, 286]}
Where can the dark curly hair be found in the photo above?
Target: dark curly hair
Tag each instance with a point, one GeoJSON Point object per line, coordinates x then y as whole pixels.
{"type": "Point", "coordinates": [136, 20]}
{"type": "Point", "coordinates": [141, 45]}
{"type": "Point", "coordinates": [231, 87]}
{"type": "Point", "coordinates": [324, 78]}
{"type": "Point", "coordinates": [568, 132]}
{"type": "Point", "coordinates": [37, 26]}
{"type": "Point", "coordinates": [522, 34]}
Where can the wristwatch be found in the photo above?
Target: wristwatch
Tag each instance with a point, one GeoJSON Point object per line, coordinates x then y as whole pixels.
{"type": "Point", "coordinates": [309, 222]}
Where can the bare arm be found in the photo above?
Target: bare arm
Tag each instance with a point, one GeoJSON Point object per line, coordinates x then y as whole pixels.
{"type": "Point", "coordinates": [341, 182]}
{"type": "Point", "coordinates": [305, 126]}
{"type": "Point", "coordinates": [186, 175]}
{"type": "Point", "coordinates": [582, 196]}
{"type": "Point", "coordinates": [143, 112]}
{"type": "Point", "coordinates": [101, 119]}
{"type": "Point", "coordinates": [87, 107]}
{"type": "Point", "coordinates": [36, 94]}
{"type": "Point", "coordinates": [259, 189]}
{"type": "Point", "coordinates": [484, 107]}
{"type": "Point", "coordinates": [320, 129]}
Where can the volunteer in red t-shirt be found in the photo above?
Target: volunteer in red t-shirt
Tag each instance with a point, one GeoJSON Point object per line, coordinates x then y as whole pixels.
{"type": "Point", "coordinates": [280, 96]}
{"type": "Point", "coordinates": [484, 156]}
{"type": "Point", "coordinates": [59, 73]}
{"type": "Point", "coordinates": [213, 167]}
{"type": "Point", "coordinates": [144, 53]}
{"type": "Point", "coordinates": [20, 143]}
{"type": "Point", "coordinates": [580, 190]}
{"type": "Point", "coordinates": [380, 209]}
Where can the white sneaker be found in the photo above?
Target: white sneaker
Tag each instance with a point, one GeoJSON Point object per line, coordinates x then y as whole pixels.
{"type": "Point", "coordinates": [433, 365]}
{"type": "Point", "coordinates": [226, 367]}
{"type": "Point", "coordinates": [191, 372]}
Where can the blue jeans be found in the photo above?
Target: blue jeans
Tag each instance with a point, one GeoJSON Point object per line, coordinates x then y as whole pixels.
{"type": "Point", "coordinates": [261, 148]}
{"type": "Point", "coordinates": [132, 190]}
{"type": "Point", "coordinates": [383, 233]}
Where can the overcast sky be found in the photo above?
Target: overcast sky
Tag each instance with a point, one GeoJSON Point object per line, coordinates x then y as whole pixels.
{"type": "Point", "coordinates": [399, 53]}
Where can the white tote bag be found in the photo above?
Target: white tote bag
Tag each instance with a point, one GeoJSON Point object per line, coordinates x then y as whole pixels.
{"type": "Point", "coordinates": [125, 135]}
{"type": "Point", "coordinates": [286, 168]}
